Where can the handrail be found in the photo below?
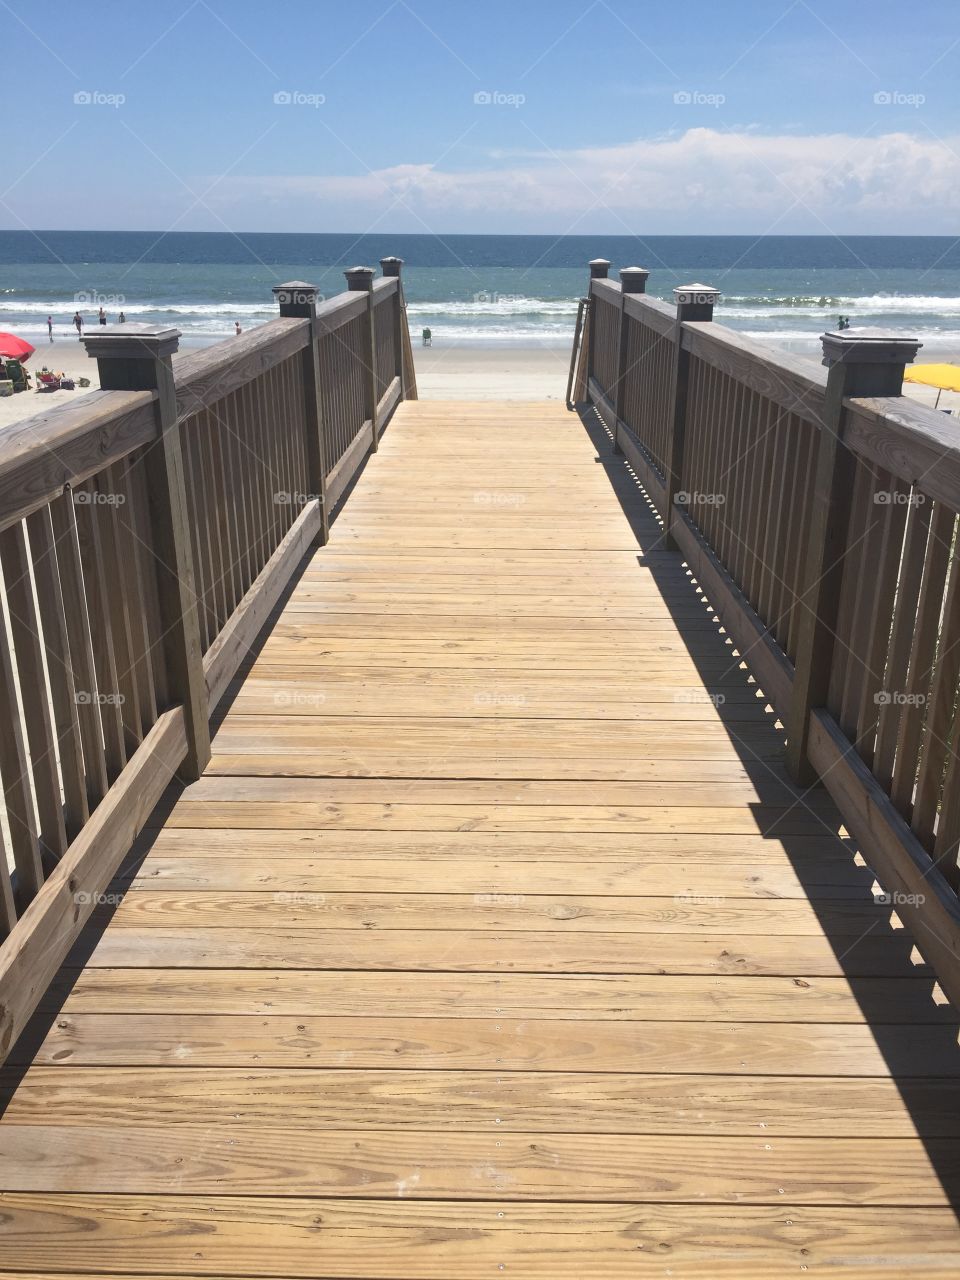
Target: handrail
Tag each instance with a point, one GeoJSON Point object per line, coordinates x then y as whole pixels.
{"type": "Point", "coordinates": [146, 533]}
{"type": "Point", "coordinates": [818, 510]}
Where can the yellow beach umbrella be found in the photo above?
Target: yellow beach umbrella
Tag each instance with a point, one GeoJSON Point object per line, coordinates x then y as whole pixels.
{"type": "Point", "coordinates": [945, 377]}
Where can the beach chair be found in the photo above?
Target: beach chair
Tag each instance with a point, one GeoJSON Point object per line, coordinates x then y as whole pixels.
{"type": "Point", "coordinates": [16, 374]}
{"type": "Point", "coordinates": [47, 381]}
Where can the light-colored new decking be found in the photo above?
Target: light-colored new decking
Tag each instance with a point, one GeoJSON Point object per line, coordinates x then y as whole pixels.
{"type": "Point", "coordinates": [495, 941]}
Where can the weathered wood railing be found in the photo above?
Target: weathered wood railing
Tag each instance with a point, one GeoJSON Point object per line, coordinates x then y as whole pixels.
{"type": "Point", "coordinates": [145, 535]}
{"type": "Point", "coordinates": [818, 512]}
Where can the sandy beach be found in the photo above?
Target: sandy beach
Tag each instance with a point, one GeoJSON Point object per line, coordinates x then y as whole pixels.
{"type": "Point", "coordinates": [491, 373]}
{"type": "Point", "coordinates": [62, 357]}
{"type": "Point", "coordinates": [443, 373]}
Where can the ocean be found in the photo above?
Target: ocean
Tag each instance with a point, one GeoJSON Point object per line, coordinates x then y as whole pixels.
{"type": "Point", "coordinates": [482, 290]}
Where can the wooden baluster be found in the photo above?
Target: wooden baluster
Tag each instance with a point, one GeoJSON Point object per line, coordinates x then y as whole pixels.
{"type": "Point", "coordinates": [8, 907]}
{"type": "Point", "coordinates": [139, 358]}
{"type": "Point", "coordinates": [83, 667]}
{"type": "Point", "coordinates": [360, 280]}
{"type": "Point", "coordinates": [858, 366]}
{"type": "Point", "coordinates": [14, 771]}
{"type": "Point", "coordinates": [50, 599]}
{"type": "Point", "coordinates": [695, 302]}
{"type": "Point", "coordinates": [632, 280]}
{"type": "Point", "coordinates": [392, 269]}
{"type": "Point", "coordinates": [28, 649]}
{"type": "Point", "coordinates": [599, 270]}
{"type": "Point", "coordinates": [299, 299]}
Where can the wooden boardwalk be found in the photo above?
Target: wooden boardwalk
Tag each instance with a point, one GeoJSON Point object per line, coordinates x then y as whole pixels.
{"type": "Point", "coordinates": [494, 940]}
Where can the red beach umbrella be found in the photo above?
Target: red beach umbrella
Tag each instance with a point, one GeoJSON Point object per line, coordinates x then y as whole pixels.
{"type": "Point", "coordinates": [14, 348]}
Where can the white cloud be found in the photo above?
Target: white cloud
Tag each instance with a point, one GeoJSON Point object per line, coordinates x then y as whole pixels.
{"type": "Point", "coordinates": [700, 181]}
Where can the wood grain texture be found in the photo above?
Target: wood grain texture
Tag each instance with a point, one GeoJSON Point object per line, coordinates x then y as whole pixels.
{"type": "Point", "coordinates": [495, 939]}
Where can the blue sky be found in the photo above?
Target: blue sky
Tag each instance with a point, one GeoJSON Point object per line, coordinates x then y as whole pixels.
{"type": "Point", "coordinates": [732, 116]}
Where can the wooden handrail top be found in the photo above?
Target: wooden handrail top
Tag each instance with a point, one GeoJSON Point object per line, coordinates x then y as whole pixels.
{"type": "Point", "coordinates": [64, 446]}
{"type": "Point", "coordinates": [609, 290]}
{"type": "Point", "coordinates": [914, 442]}
{"type": "Point", "coordinates": [207, 375]}
{"type": "Point", "coordinates": [652, 312]}
{"type": "Point", "coordinates": [338, 311]}
{"type": "Point", "coordinates": [384, 287]}
{"type": "Point", "coordinates": [795, 383]}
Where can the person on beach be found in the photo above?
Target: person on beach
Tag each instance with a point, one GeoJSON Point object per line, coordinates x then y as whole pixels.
{"type": "Point", "coordinates": [103, 316]}
{"type": "Point", "coordinates": [50, 327]}
{"type": "Point", "coordinates": [236, 325]}
{"type": "Point", "coordinates": [78, 323]}
{"type": "Point", "coordinates": [121, 319]}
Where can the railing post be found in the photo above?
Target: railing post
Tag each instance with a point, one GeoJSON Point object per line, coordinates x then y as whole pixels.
{"type": "Point", "coordinates": [866, 364]}
{"type": "Point", "coordinates": [694, 302]}
{"type": "Point", "coordinates": [360, 280]}
{"type": "Point", "coordinates": [139, 358]}
{"type": "Point", "coordinates": [599, 270]}
{"type": "Point", "coordinates": [632, 280]}
{"type": "Point", "coordinates": [392, 268]}
{"type": "Point", "coordinates": [298, 300]}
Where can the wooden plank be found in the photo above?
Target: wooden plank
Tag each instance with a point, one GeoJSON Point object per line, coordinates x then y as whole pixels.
{"type": "Point", "coordinates": [644, 874]}
{"type": "Point", "coordinates": [486, 1101]}
{"type": "Point", "coordinates": [279, 815]}
{"type": "Point", "coordinates": [187, 1160]}
{"type": "Point", "coordinates": [616, 997]}
{"type": "Point", "coordinates": [722, 1048]}
{"type": "Point", "coordinates": [878, 954]}
{"type": "Point", "coordinates": [509, 792]}
{"type": "Point", "coordinates": [503, 912]}
{"type": "Point", "coordinates": [279, 1237]}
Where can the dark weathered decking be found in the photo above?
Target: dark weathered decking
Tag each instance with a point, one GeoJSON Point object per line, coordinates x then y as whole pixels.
{"type": "Point", "coordinates": [495, 939]}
